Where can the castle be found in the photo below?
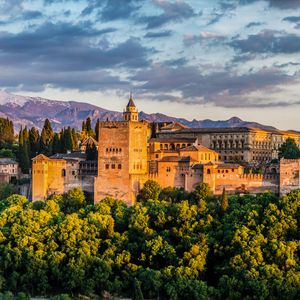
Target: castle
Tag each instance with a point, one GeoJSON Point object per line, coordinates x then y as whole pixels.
{"type": "Point", "coordinates": [131, 151]}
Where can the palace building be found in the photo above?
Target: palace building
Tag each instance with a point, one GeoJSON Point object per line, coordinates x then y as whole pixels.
{"type": "Point", "coordinates": [132, 151]}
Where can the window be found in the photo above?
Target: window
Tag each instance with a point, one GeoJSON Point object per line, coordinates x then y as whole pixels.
{"type": "Point", "coordinates": [107, 166]}
{"type": "Point", "coordinates": [119, 166]}
{"type": "Point", "coordinates": [73, 173]}
{"type": "Point", "coordinates": [63, 172]}
{"type": "Point", "coordinates": [113, 166]}
{"type": "Point", "coordinates": [156, 155]}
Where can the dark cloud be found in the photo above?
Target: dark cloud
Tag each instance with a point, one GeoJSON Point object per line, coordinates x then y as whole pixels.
{"type": "Point", "coordinates": [286, 64]}
{"type": "Point", "coordinates": [111, 10]}
{"type": "Point", "coordinates": [220, 87]}
{"type": "Point", "coordinates": [254, 24]}
{"type": "Point", "coordinates": [176, 62]}
{"type": "Point", "coordinates": [279, 4]}
{"type": "Point", "coordinates": [292, 19]}
{"type": "Point", "coordinates": [31, 14]}
{"type": "Point", "coordinates": [284, 4]}
{"type": "Point", "coordinates": [224, 8]}
{"type": "Point", "coordinates": [268, 41]}
{"type": "Point", "coordinates": [172, 12]}
{"type": "Point", "coordinates": [158, 34]}
{"type": "Point", "coordinates": [63, 49]}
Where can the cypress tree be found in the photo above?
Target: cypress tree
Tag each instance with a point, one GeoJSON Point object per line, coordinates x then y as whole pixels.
{"type": "Point", "coordinates": [88, 124]}
{"type": "Point", "coordinates": [224, 201]}
{"type": "Point", "coordinates": [75, 139]}
{"type": "Point", "coordinates": [23, 156]}
{"type": "Point", "coordinates": [68, 139]}
{"type": "Point", "coordinates": [97, 130]}
{"type": "Point", "coordinates": [56, 143]}
{"type": "Point", "coordinates": [83, 127]}
{"type": "Point", "coordinates": [34, 139]}
{"type": "Point", "coordinates": [46, 139]}
{"type": "Point", "coordinates": [91, 151]}
{"type": "Point", "coordinates": [137, 291]}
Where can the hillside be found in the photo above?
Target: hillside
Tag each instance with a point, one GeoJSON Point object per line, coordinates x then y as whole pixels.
{"type": "Point", "coordinates": [32, 111]}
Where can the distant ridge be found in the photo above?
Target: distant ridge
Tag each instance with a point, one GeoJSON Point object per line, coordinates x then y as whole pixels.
{"type": "Point", "coordinates": [32, 111]}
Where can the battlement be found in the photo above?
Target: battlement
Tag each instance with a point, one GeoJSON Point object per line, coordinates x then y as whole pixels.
{"type": "Point", "coordinates": [113, 124]}
{"type": "Point", "coordinates": [289, 161]}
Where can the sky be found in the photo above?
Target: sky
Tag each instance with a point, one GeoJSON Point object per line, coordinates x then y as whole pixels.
{"type": "Point", "coordinates": [202, 59]}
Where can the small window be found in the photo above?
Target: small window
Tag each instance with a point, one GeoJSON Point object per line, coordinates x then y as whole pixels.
{"type": "Point", "coordinates": [107, 166]}
{"type": "Point", "coordinates": [113, 166]}
{"type": "Point", "coordinates": [119, 166]}
{"type": "Point", "coordinates": [156, 155]}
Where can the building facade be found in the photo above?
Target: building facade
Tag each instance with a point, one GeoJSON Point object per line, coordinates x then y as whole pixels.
{"type": "Point", "coordinates": [243, 145]}
{"type": "Point", "coordinates": [9, 170]}
{"type": "Point", "coordinates": [129, 154]}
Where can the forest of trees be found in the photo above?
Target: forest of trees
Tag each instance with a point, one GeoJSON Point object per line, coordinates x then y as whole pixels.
{"type": "Point", "coordinates": [170, 245]}
{"type": "Point", "coordinates": [30, 142]}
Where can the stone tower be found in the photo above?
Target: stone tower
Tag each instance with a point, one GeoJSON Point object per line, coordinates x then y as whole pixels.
{"type": "Point", "coordinates": [122, 157]}
{"type": "Point", "coordinates": [131, 112]}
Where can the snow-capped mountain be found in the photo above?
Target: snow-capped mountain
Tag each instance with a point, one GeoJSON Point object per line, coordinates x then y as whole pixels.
{"type": "Point", "coordinates": [32, 111]}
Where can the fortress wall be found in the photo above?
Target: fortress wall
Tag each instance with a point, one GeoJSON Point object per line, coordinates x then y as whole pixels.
{"type": "Point", "coordinates": [289, 175]}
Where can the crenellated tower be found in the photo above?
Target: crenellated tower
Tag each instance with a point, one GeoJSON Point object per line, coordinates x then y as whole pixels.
{"type": "Point", "coordinates": [122, 157]}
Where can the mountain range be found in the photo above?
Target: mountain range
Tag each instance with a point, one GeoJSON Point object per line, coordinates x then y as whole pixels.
{"type": "Point", "coordinates": [32, 111]}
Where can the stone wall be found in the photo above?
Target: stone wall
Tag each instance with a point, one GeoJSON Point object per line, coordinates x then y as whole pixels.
{"type": "Point", "coordinates": [289, 175]}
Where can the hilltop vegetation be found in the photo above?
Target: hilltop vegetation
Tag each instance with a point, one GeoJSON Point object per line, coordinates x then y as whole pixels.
{"type": "Point", "coordinates": [171, 243]}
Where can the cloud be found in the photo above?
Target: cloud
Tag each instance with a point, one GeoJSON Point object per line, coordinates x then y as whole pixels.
{"type": "Point", "coordinates": [172, 12]}
{"type": "Point", "coordinates": [159, 34]}
{"type": "Point", "coordinates": [189, 38]}
{"type": "Point", "coordinates": [111, 10]}
{"type": "Point", "coordinates": [66, 54]}
{"type": "Point", "coordinates": [268, 41]}
{"type": "Point", "coordinates": [219, 87]}
{"type": "Point", "coordinates": [254, 24]}
{"type": "Point", "coordinates": [284, 4]}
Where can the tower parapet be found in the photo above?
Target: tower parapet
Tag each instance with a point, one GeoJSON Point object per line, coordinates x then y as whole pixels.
{"type": "Point", "coordinates": [131, 113]}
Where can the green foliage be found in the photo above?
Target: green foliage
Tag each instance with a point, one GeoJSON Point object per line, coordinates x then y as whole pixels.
{"type": "Point", "coordinates": [6, 131]}
{"type": "Point", "coordinates": [91, 151]}
{"type": "Point", "coordinates": [6, 153]}
{"type": "Point", "coordinates": [23, 153]}
{"type": "Point", "coordinates": [150, 191]}
{"type": "Point", "coordinates": [137, 291]}
{"type": "Point", "coordinates": [73, 200]}
{"type": "Point", "coordinates": [6, 190]}
{"type": "Point", "coordinates": [34, 140]}
{"type": "Point", "coordinates": [224, 201]}
{"type": "Point", "coordinates": [46, 139]}
{"type": "Point", "coordinates": [289, 149]}
{"type": "Point", "coordinates": [166, 249]}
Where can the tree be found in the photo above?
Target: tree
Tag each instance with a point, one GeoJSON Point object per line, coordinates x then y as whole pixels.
{"type": "Point", "coordinates": [289, 149]}
{"type": "Point", "coordinates": [74, 139]}
{"type": "Point", "coordinates": [73, 200]}
{"type": "Point", "coordinates": [97, 130]}
{"type": "Point", "coordinates": [23, 155]}
{"type": "Point", "coordinates": [91, 151]}
{"type": "Point", "coordinates": [137, 291]}
{"type": "Point", "coordinates": [224, 201]}
{"type": "Point", "coordinates": [56, 146]}
{"type": "Point", "coordinates": [34, 140]}
{"type": "Point", "coordinates": [150, 191]}
{"type": "Point", "coordinates": [202, 191]}
{"type": "Point", "coordinates": [88, 124]}
{"type": "Point", "coordinates": [46, 139]}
